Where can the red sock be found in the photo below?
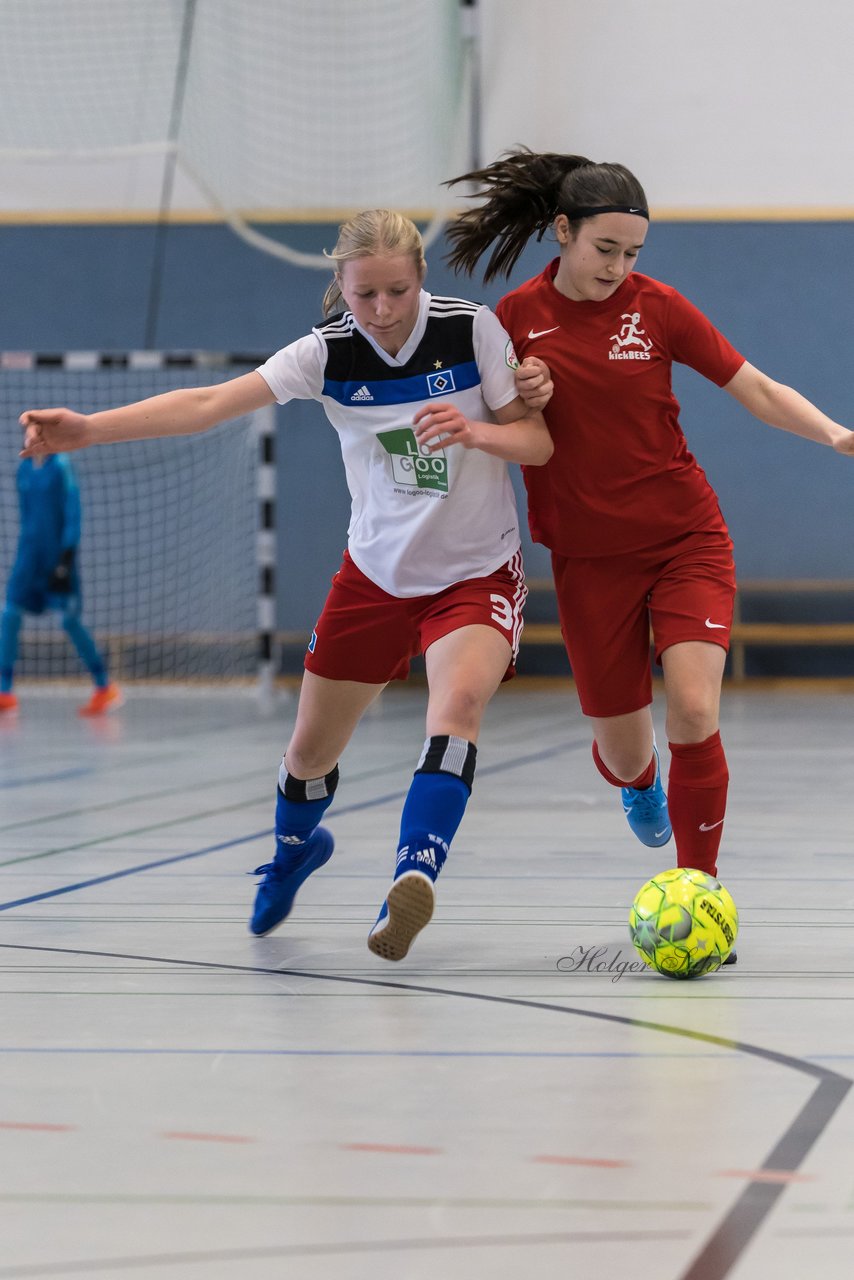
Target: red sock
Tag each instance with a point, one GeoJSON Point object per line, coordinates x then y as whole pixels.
{"type": "Point", "coordinates": [696, 799]}
{"type": "Point", "coordinates": [644, 780]}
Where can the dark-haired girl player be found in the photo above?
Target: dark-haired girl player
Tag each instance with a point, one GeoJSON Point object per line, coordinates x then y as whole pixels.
{"type": "Point", "coordinates": [632, 523]}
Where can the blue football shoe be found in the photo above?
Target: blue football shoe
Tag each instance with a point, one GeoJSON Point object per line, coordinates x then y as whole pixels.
{"type": "Point", "coordinates": [283, 877]}
{"type": "Point", "coordinates": [646, 811]}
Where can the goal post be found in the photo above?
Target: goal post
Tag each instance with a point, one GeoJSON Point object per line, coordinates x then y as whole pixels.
{"type": "Point", "coordinates": [178, 546]}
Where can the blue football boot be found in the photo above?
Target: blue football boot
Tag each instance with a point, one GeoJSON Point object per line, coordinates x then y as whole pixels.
{"type": "Point", "coordinates": [290, 868]}
{"type": "Point", "coordinates": [646, 811]}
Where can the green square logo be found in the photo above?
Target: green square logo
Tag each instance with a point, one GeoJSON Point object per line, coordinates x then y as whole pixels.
{"type": "Point", "coordinates": [411, 464]}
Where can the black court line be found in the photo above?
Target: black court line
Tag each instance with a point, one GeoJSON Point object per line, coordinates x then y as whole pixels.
{"type": "Point", "coordinates": [730, 1239]}
{"type": "Point", "coordinates": [340, 1247]}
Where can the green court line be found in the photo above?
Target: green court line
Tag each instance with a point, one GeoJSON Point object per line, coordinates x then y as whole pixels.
{"type": "Point", "coordinates": [136, 831]}
{"type": "Point", "coordinates": [159, 826]}
{"type": "Point", "coordinates": [380, 1202]}
{"type": "Point", "coordinates": [118, 804]}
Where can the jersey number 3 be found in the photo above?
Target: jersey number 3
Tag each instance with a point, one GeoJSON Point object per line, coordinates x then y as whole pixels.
{"type": "Point", "coordinates": [501, 611]}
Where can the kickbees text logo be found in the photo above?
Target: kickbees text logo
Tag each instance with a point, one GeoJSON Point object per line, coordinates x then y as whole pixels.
{"type": "Point", "coordinates": [630, 336]}
{"type": "Point", "coordinates": [413, 465]}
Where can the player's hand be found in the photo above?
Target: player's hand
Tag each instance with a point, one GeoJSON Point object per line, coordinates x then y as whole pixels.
{"type": "Point", "coordinates": [846, 444]}
{"type": "Point", "coordinates": [59, 583]}
{"type": "Point", "coordinates": [440, 425]}
{"type": "Point", "coordinates": [534, 382]}
{"type": "Point", "coordinates": [53, 431]}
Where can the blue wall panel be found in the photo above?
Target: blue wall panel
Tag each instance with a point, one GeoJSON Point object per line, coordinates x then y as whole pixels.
{"type": "Point", "coordinates": [780, 292]}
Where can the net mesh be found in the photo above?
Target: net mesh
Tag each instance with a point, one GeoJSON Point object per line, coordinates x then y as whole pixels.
{"type": "Point", "coordinates": [269, 110]}
{"type": "Point", "coordinates": [169, 532]}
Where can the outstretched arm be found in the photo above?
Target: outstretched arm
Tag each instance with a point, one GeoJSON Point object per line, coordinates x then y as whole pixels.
{"type": "Point", "coordinates": [175, 413]}
{"type": "Point", "coordinates": [519, 435]}
{"type": "Point", "coordinates": [781, 406]}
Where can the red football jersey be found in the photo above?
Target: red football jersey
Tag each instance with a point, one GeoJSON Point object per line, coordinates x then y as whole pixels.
{"type": "Point", "coordinates": [621, 476]}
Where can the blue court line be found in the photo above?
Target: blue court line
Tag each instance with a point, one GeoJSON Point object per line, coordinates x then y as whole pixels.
{"type": "Point", "coordinates": [132, 871]}
{"type": "Point", "coordinates": [81, 772]}
{"type": "Point", "coordinates": [259, 835]}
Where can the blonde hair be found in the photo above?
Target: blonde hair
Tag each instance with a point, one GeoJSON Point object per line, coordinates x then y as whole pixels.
{"type": "Point", "coordinates": [372, 232]}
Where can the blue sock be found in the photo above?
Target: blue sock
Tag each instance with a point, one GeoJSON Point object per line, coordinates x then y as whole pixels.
{"type": "Point", "coordinates": [435, 804]}
{"type": "Point", "coordinates": [300, 804]}
{"type": "Point", "coordinates": [86, 648]}
{"type": "Point", "coordinates": [10, 625]}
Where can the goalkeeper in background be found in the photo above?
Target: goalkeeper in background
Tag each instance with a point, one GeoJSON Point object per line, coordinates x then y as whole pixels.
{"type": "Point", "coordinates": [44, 576]}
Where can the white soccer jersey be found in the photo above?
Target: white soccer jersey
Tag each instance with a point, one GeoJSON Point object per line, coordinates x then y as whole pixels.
{"type": "Point", "coordinates": [419, 521]}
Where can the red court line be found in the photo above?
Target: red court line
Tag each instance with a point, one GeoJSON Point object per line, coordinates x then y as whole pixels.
{"type": "Point", "coordinates": [390, 1149]}
{"type": "Point", "coordinates": [766, 1175]}
{"type": "Point", "coordinates": [207, 1137]}
{"type": "Point", "coordinates": [586, 1161]}
{"type": "Point", "coordinates": [40, 1128]}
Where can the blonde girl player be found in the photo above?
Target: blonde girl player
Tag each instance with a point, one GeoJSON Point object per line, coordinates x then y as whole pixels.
{"type": "Point", "coordinates": [634, 528]}
{"type": "Point", "coordinates": [421, 391]}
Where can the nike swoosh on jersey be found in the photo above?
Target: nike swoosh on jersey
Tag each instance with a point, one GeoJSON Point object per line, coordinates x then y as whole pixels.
{"type": "Point", "coordinates": [715, 626]}
{"type": "Point", "coordinates": [710, 826]}
{"type": "Point", "coordinates": [541, 332]}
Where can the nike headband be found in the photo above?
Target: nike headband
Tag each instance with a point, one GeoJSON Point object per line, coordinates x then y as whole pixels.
{"type": "Point", "coordinates": [591, 211]}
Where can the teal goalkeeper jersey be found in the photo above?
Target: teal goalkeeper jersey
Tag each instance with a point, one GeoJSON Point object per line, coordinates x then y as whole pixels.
{"type": "Point", "coordinates": [50, 524]}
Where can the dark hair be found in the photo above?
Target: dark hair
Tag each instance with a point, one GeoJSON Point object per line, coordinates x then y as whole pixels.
{"type": "Point", "coordinates": [525, 191]}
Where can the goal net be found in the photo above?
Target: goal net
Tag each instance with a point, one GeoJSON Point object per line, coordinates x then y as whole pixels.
{"type": "Point", "coordinates": [264, 111]}
{"type": "Point", "coordinates": [176, 570]}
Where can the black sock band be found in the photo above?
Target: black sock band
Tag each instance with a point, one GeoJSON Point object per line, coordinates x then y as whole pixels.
{"type": "Point", "coordinates": [305, 789]}
{"type": "Point", "coordinates": [444, 753]}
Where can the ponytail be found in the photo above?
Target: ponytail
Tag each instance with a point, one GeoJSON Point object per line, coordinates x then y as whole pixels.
{"type": "Point", "coordinates": [524, 192]}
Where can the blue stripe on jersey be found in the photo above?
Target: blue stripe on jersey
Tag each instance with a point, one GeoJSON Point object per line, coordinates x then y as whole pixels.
{"type": "Point", "coordinates": [421, 386]}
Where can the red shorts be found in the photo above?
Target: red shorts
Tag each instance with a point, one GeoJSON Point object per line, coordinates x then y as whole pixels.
{"type": "Point", "coordinates": [367, 635]}
{"type": "Point", "coordinates": [606, 604]}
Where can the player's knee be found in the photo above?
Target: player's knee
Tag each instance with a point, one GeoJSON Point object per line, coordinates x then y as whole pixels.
{"type": "Point", "coordinates": [692, 718]}
{"type": "Point", "coordinates": [458, 711]}
{"type": "Point", "coordinates": [311, 760]}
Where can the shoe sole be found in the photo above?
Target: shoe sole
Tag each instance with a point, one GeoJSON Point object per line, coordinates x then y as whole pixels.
{"type": "Point", "coordinates": [411, 900]}
{"type": "Point", "coordinates": [90, 714]}
{"type": "Point", "coordinates": [653, 843]}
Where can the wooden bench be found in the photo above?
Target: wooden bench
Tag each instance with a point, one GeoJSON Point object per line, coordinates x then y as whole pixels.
{"type": "Point", "coordinates": [814, 594]}
{"type": "Point", "coordinates": [748, 631]}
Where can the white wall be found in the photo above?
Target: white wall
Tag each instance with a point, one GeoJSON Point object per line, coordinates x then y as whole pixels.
{"type": "Point", "coordinates": [302, 105]}
{"type": "Point", "coordinates": [713, 103]}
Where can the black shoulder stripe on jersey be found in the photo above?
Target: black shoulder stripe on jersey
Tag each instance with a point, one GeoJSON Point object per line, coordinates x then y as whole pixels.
{"type": "Point", "coordinates": [447, 341]}
{"type": "Point", "coordinates": [441, 306]}
{"type": "Point", "coordinates": [340, 325]}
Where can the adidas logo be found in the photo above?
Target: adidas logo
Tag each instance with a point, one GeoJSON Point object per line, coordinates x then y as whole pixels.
{"type": "Point", "coordinates": [290, 839]}
{"type": "Point", "coordinates": [363, 395]}
{"type": "Point", "coordinates": [425, 856]}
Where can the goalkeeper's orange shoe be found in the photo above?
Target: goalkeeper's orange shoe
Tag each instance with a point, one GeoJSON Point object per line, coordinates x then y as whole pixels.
{"type": "Point", "coordinates": [102, 700]}
{"type": "Point", "coordinates": [8, 703]}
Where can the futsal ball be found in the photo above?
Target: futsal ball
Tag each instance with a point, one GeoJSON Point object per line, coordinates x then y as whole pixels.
{"type": "Point", "coordinates": [683, 923]}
